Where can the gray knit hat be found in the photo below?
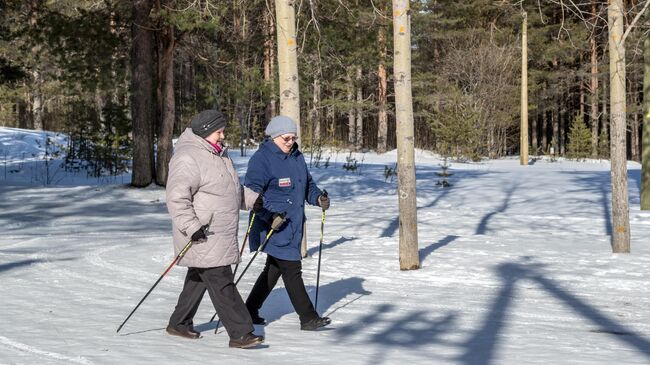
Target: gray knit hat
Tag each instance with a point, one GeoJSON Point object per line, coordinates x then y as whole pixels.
{"type": "Point", "coordinates": [207, 121]}
{"type": "Point", "coordinates": [281, 125]}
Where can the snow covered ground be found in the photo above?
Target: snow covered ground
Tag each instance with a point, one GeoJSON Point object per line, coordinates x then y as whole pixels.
{"type": "Point", "coordinates": [516, 269]}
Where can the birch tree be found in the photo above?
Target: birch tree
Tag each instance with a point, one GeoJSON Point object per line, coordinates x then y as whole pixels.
{"type": "Point", "coordinates": [408, 236]}
{"type": "Point", "coordinates": [285, 15]}
{"type": "Point", "coordinates": [620, 205]}
{"type": "Point", "coordinates": [523, 138]}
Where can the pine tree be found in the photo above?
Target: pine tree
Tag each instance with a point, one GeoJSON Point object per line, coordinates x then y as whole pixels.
{"type": "Point", "coordinates": [579, 146]}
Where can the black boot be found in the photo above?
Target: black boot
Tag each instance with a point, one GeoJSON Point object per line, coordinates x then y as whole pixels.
{"type": "Point", "coordinates": [246, 341]}
{"type": "Point", "coordinates": [315, 324]}
{"type": "Point", "coordinates": [257, 319]}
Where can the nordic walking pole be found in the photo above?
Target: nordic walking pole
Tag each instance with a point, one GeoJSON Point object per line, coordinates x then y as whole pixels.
{"type": "Point", "coordinates": [320, 250]}
{"type": "Point", "coordinates": [241, 252]}
{"type": "Point", "coordinates": [180, 255]}
{"type": "Point", "coordinates": [266, 239]}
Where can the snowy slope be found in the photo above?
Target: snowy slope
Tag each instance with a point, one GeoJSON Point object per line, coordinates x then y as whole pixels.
{"type": "Point", "coordinates": [516, 269]}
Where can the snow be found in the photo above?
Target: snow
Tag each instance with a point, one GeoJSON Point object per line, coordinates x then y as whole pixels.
{"type": "Point", "coordinates": [516, 268]}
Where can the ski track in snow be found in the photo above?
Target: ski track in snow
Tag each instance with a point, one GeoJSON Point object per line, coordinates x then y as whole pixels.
{"type": "Point", "coordinates": [32, 350]}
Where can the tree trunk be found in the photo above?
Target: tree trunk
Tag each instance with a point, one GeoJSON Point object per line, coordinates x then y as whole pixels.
{"type": "Point", "coordinates": [645, 141]}
{"type": "Point", "coordinates": [533, 130]}
{"type": "Point", "coordinates": [269, 62]}
{"type": "Point", "coordinates": [37, 100]}
{"type": "Point", "coordinates": [408, 235]}
{"type": "Point", "coordinates": [288, 60]}
{"type": "Point", "coordinates": [620, 208]}
{"type": "Point", "coordinates": [562, 125]}
{"type": "Point", "coordinates": [359, 124]}
{"type": "Point", "coordinates": [523, 134]}
{"type": "Point", "coordinates": [635, 137]}
{"type": "Point", "coordinates": [315, 111]}
{"type": "Point", "coordinates": [545, 131]}
{"type": "Point", "coordinates": [168, 111]}
{"type": "Point", "coordinates": [382, 115]}
{"type": "Point", "coordinates": [351, 118]}
{"type": "Point", "coordinates": [594, 83]}
{"type": "Point", "coordinates": [142, 103]}
{"type": "Point", "coordinates": [555, 141]}
{"type": "Point", "coordinates": [331, 120]}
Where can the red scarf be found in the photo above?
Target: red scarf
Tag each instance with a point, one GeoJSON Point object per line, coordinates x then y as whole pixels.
{"type": "Point", "coordinates": [217, 146]}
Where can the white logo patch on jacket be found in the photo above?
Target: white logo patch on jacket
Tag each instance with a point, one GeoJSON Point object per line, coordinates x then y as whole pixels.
{"type": "Point", "coordinates": [284, 182]}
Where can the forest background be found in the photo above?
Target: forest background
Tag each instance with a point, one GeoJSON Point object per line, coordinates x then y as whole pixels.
{"type": "Point", "coordinates": [85, 68]}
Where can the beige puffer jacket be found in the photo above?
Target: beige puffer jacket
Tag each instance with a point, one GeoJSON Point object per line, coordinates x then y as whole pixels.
{"type": "Point", "coordinates": [203, 188]}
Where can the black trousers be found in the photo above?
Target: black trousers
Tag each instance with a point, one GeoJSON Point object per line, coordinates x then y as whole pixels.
{"type": "Point", "coordinates": [291, 272]}
{"type": "Point", "coordinates": [218, 281]}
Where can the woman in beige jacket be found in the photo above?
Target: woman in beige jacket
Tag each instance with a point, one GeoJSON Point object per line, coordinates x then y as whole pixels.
{"type": "Point", "coordinates": [203, 189]}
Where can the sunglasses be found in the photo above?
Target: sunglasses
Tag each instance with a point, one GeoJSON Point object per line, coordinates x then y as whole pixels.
{"type": "Point", "coordinates": [288, 139]}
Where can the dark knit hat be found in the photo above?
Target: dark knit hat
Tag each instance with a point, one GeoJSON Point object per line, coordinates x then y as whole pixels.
{"type": "Point", "coordinates": [207, 121]}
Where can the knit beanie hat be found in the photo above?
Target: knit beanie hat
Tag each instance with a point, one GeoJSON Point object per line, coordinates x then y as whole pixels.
{"type": "Point", "coordinates": [206, 122]}
{"type": "Point", "coordinates": [281, 125]}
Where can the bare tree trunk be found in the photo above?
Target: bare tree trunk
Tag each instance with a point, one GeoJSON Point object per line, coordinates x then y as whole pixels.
{"type": "Point", "coordinates": [314, 115]}
{"type": "Point", "coordinates": [37, 100]}
{"type": "Point", "coordinates": [359, 126]}
{"type": "Point", "coordinates": [545, 131]}
{"type": "Point", "coordinates": [382, 115]}
{"type": "Point", "coordinates": [634, 136]}
{"type": "Point", "coordinates": [142, 103]}
{"type": "Point", "coordinates": [555, 141]}
{"type": "Point", "coordinates": [562, 125]}
{"type": "Point", "coordinates": [351, 117]}
{"type": "Point", "coordinates": [331, 120]}
{"type": "Point", "coordinates": [594, 83]}
{"type": "Point", "coordinates": [645, 147]}
{"type": "Point", "coordinates": [620, 208]}
{"type": "Point", "coordinates": [523, 134]}
{"type": "Point", "coordinates": [288, 60]}
{"type": "Point", "coordinates": [533, 129]}
{"type": "Point", "coordinates": [269, 62]}
{"type": "Point", "coordinates": [35, 91]}
{"type": "Point", "coordinates": [408, 234]}
{"type": "Point", "coordinates": [168, 111]}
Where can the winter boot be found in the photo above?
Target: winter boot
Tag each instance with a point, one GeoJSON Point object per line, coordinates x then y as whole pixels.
{"type": "Point", "coordinates": [246, 341]}
{"type": "Point", "coordinates": [183, 332]}
{"type": "Point", "coordinates": [257, 319]}
{"type": "Point", "coordinates": [315, 324]}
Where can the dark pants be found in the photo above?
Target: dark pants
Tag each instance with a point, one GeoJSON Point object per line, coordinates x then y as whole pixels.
{"type": "Point", "coordinates": [291, 272]}
{"type": "Point", "coordinates": [218, 281]}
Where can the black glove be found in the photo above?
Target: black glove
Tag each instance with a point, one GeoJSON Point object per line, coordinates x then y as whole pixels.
{"type": "Point", "coordinates": [259, 204]}
{"type": "Point", "coordinates": [324, 201]}
{"type": "Point", "coordinates": [278, 221]}
{"type": "Point", "coordinates": [200, 234]}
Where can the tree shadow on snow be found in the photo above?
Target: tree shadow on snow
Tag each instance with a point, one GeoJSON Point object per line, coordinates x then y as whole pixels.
{"type": "Point", "coordinates": [412, 330]}
{"type": "Point", "coordinates": [482, 227]}
{"type": "Point", "coordinates": [424, 252]}
{"type": "Point", "coordinates": [394, 224]}
{"type": "Point", "coordinates": [481, 346]}
{"type": "Point", "coordinates": [278, 303]}
{"type": "Point", "coordinates": [23, 263]}
{"type": "Point", "coordinates": [332, 244]}
{"type": "Point", "coordinates": [598, 183]}
{"type": "Point", "coordinates": [403, 330]}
